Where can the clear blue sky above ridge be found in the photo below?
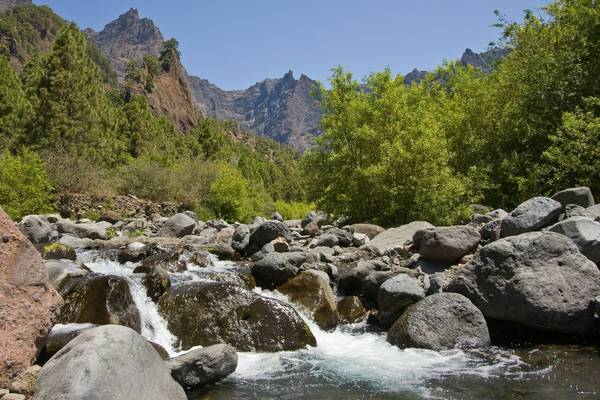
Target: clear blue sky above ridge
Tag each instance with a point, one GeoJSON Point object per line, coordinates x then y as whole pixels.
{"type": "Point", "coordinates": [235, 43]}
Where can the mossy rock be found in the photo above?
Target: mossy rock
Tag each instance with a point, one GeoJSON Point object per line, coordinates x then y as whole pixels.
{"type": "Point", "coordinates": [58, 251]}
{"type": "Point", "coordinates": [207, 313]}
{"type": "Point", "coordinates": [101, 300]}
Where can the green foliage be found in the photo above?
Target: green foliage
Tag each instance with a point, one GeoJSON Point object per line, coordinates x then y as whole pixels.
{"type": "Point", "coordinates": [56, 248]}
{"type": "Point", "coordinates": [294, 209]}
{"type": "Point", "coordinates": [92, 215]}
{"type": "Point", "coordinates": [390, 143]}
{"type": "Point", "coordinates": [170, 52]}
{"type": "Point", "coordinates": [24, 185]}
{"type": "Point", "coordinates": [111, 233]}
{"type": "Point", "coordinates": [15, 109]}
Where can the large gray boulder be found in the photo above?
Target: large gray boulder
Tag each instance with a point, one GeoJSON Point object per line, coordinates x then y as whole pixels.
{"type": "Point", "coordinates": [395, 295]}
{"type": "Point", "coordinates": [179, 225]}
{"type": "Point", "coordinates": [88, 230]}
{"type": "Point", "coordinates": [206, 313]}
{"type": "Point", "coordinates": [265, 233]}
{"type": "Point", "coordinates": [240, 238]}
{"type": "Point", "coordinates": [584, 232]}
{"type": "Point", "coordinates": [581, 196]}
{"type": "Point", "coordinates": [36, 228]}
{"type": "Point", "coordinates": [441, 321]}
{"type": "Point", "coordinates": [531, 215]}
{"type": "Point", "coordinates": [395, 238]}
{"type": "Point", "coordinates": [199, 367]}
{"type": "Point", "coordinates": [593, 212]}
{"type": "Point", "coordinates": [366, 229]}
{"type": "Point", "coordinates": [275, 269]}
{"type": "Point", "coordinates": [62, 272]}
{"type": "Point", "coordinates": [108, 362]}
{"type": "Point", "coordinates": [449, 243]}
{"type": "Point", "coordinates": [536, 279]}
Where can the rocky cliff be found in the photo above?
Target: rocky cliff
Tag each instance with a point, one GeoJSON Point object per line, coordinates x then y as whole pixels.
{"type": "Point", "coordinates": [283, 109]}
{"type": "Point", "coordinates": [129, 37]}
{"type": "Point", "coordinates": [7, 4]}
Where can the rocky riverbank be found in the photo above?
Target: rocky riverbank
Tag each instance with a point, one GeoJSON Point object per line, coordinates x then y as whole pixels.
{"type": "Point", "coordinates": [184, 296]}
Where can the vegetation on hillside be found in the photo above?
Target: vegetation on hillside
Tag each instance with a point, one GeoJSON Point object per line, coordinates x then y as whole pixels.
{"type": "Point", "coordinates": [398, 153]}
{"type": "Point", "coordinates": [99, 138]}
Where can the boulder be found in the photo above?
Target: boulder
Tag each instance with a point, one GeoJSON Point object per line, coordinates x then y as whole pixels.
{"type": "Point", "coordinates": [325, 240]}
{"type": "Point", "coordinates": [395, 295]}
{"type": "Point", "coordinates": [112, 217]}
{"type": "Point", "coordinates": [62, 272]}
{"type": "Point", "coordinates": [36, 228]}
{"type": "Point", "coordinates": [101, 300]}
{"type": "Point", "coordinates": [179, 225]}
{"type": "Point", "coordinates": [199, 367]}
{"type": "Point", "coordinates": [318, 218]}
{"type": "Point", "coordinates": [359, 239]}
{"type": "Point", "coordinates": [28, 302]}
{"type": "Point", "coordinates": [156, 282]}
{"type": "Point", "coordinates": [536, 279]}
{"type": "Point", "coordinates": [88, 230]}
{"type": "Point", "coordinates": [448, 244]}
{"type": "Point", "coordinates": [267, 232]}
{"type": "Point", "coordinates": [58, 337]}
{"type": "Point", "coordinates": [58, 251]}
{"type": "Point", "coordinates": [277, 217]}
{"type": "Point", "coordinates": [531, 215]}
{"type": "Point", "coordinates": [25, 383]}
{"type": "Point", "coordinates": [107, 362]}
{"type": "Point", "coordinates": [367, 229]}
{"type": "Point", "coordinates": [351, 281]}
{"type": "Point", "coordinates": [351, 310]}
{"type": "Point", "coordinates": [581, 196]}
{"type": "Point", "coordinates": [168, 260]}
{"type": "Point", "coordinates": [311, 290]}
{"type": "Point", "coordinates": [240, 238]}
{"type": "Point", "coordinates": [593, 212]}
{"type": "Point", "coordinates": [441, 321]}
{"type": "Point", "coordinates": [275, 269]}
{"type": "Point", "coordinates": [311, 229]}
{"type": "Point", "coordinates": [584, 232]}
{"type": "Point", "coordinates": [372, 282]}
{"type": "Point", "coordinates": [395, 238]}
{"type": "Point", "coordinates": [207, 313]}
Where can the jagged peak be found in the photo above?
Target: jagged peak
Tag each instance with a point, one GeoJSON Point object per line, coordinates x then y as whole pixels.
{"type": "Point", "coordinates": [132, 13]}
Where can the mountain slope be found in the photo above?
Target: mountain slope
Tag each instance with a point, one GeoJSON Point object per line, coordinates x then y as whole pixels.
{"type": "Point", "coordinates": [283, 109]}
{"type": "Point", "coordinates": [127, 38]}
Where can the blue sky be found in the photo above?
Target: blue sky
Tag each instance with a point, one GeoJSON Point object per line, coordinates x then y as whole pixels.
{"type": "Point", "coordinates": [235, 43]}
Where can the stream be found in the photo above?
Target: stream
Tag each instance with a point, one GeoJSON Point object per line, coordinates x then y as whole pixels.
{"type": "Point", "coordinates": [356, 362]}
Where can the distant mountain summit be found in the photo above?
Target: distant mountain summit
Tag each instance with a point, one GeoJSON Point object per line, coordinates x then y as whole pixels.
{"type": "Point", "coordinates": [484, 61]}
{"type": "Point", "coordinates": [7, 4]}
{"type": "Point", "coordinates": [129, 37]}
{"type": "Point", "coordinates": [283, 109]}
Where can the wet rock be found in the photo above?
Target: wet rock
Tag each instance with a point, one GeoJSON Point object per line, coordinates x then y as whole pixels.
{"type": "Point", "coordinates": [207, 313]}
{"type": "Point", "coordinates": [395, 238]}
{"type": "Point", "coordinates": [311, 289]}
{"type": "Point", "coordinates": [101, 300]}
{"type": "Point", "coordinates": [28, 302]}
{"type": "Point", "coordinates": [82, 231]}
{"type": "Point", "coordinates": [36, 228]}
{"type": "Point", "coordinates": [199, 367]}
{"type": "Point", "coordinates": [134, 252]}
{"type": "Point", "coordinates": [537, 279]}
{"type": "Point", "coordinates": [179, 225]}
{"type": "Point", "coordinates": [62, 272]}
{"type": "Point", "coordinates": [581, 196]}
{"type": "Point", "coordinates": [351, 310]}
{"type": "Point", "coordinates": [169, 261]}
{"type": "Point", "coordinates": [95, 366]}
{"type": "Point", "coordinates": [267, 232]}
{"type": "Point", "coordinates": [531, 215]}
{"type": "Point", "coordinates": [395, 295]}
{"type": "Point", "coordinates": [223, 251]}
{"type": "Point", "coordinates": [440, 322]}
{"type": "Point", "coordinates": [275, 269]}
{"type": "Point", "coordinates": [201, 259]}
{"type": "Point", "coordinates": [448, 244]}
{"type": "Point", "coordinates": [367, 229]}
{"type": "Point", "coordinates": [156, 282]}
{"type": "Point", "coordinates": [351, 282]}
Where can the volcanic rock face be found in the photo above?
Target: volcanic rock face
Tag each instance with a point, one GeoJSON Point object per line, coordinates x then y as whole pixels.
{"type": "Point", "coordinates": [283, 109]}
{"type": "Point", "coordinates": [129, 37]}
{"type": "Point", "coordinates": [8, 4]}
{"type": "Point", "coordinates": [27, 301]}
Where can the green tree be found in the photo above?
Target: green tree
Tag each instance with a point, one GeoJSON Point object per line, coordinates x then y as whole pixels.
{"type": "Point", "coordinates": [15, 109]}
{"type": "Point", "coordinates": [24, 185]}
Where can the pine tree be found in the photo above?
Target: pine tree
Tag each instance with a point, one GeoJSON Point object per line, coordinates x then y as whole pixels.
{"type": "Point", "coordinates": [15, 109]}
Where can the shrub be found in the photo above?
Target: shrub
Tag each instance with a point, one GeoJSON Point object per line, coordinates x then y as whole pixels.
{"type": "Point", "coordinates": [293, 210]}
{"type": "Point", "coordinates": [24, 185]}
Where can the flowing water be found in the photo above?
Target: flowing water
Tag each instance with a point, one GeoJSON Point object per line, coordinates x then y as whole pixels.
{"type": "Point", "coordinates": [356, 362]}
